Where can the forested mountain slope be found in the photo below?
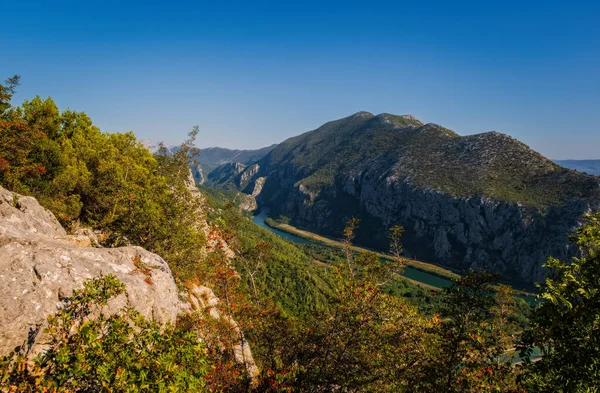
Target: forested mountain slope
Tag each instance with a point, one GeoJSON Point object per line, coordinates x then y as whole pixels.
{"type": "Point", "coordinates": [465, 201]}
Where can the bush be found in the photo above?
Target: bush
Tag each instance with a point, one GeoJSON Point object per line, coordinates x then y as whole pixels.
{"type": "Point", "coordinates": [93, 352]}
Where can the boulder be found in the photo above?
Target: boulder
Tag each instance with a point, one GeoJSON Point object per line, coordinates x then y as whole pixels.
{"type": "Point", "coordinates": [40, 266]}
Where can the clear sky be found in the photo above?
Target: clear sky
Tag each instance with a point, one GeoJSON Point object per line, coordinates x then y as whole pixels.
{"type": "Point", "coordinates": [254, 73]}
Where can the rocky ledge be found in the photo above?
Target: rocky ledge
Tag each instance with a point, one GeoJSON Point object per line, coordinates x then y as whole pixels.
{"type": "Point", "coordinates": [40, 266]}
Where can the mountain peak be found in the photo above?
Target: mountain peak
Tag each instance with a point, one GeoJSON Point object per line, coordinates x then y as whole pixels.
{"type": "Point", "coordinates": [362, 114]}
{"type": "Point", "coordinates": [400, 120]}
{"type": "Point", "coordinates": [412, 118]}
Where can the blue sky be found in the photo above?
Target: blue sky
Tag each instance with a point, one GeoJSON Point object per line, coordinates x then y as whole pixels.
{"type": "Point", "coordinates": [254, 73]}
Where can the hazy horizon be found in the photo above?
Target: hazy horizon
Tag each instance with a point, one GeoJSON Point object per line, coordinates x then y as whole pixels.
{"type": "Point", "coordinates": [254, 74]}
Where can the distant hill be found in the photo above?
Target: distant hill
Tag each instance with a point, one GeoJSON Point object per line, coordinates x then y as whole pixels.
{"type": "Point", "coordinates": [587, 166]}
{"type": "Point", "coordinates": [213, 157]}
{"type": "Point", "coordinates": [465, 201]}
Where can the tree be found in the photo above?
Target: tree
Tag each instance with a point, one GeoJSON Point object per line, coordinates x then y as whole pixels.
{"type": "Point", "coordinates": [566, 326]}
{"type": "Point", "coordinates": [473, 338]}
{"type": "Point", "coordinates": [396, 241]}
{"type": "Point", "coordinates": [7, 91]}
{"type": "Point", "coordinates": [366, 341]}
{"type": "Point", "coordinates": [349, 235]}
{"type": "Point", "coordinates": [18, 140]}
{"type": "Point", "coordinates": [109, 182]}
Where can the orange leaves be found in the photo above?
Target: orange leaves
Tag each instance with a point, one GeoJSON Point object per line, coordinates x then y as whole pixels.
{"type": "Point", "coordinates": [18, 139]}
{"type": "Point", "coordinates": [4, 164]}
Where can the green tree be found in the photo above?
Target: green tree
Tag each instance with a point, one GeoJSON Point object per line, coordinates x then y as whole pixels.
{"type": "Point", "coordinates": [18, 139]}
{"type": "Point", "coordinates": [365, 341]}
{"type": "Point", "coordinates": [109, 182]}
{"type": "Point", "coordinates": [7, 91]}
{"type": "Point", "coordinates": [566, 326]}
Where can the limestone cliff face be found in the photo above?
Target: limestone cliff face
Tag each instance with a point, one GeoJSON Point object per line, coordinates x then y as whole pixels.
{"type": "Point", "coordinates": [480, 200]}
{"type": "Point", "coordinates": [258, 185]}
{"type": "Point", "coordinates": [246, 176]}
{"type": "Point", "coordinates": [40, 265]}
{"type": "Point", "coordinates": [246, 202]}
{"type": "Point", "coordinates": [225, 173]}
{"type": "Point", "coordinates": [463, 233]}
{"type": "Point", "coordinates": [198, 173]}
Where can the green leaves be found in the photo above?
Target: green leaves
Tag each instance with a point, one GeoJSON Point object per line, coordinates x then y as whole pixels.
{"type": "Point", "coordinates": [109, 182]}
{"type": "Point", "coordinates": [90, 351]}
{"type": "Point", "coordinates": [566, 326]}
{"type": "Point", "coordinates": [474, 336]}
{"type": "Point", "coordinates": [7, 91]}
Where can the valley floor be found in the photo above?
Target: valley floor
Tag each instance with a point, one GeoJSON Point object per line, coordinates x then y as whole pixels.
{"type": "Point", "coordinates": [425, 267]}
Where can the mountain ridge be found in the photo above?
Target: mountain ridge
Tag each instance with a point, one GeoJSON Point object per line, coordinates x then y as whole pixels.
{"type": "Point", "coordinates": [465, 201]}
{"type": "Point", "coordinates": [210, 158]}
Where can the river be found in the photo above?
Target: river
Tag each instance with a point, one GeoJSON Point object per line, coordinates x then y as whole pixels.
{"type": "Point", "coordinates": [408, 272]}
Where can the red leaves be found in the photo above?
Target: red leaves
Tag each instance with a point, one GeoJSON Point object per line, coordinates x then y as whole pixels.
{"type": "Point", "coordinates": [4, 165]}
{"type": "Point", "coordinates": [487, 370]}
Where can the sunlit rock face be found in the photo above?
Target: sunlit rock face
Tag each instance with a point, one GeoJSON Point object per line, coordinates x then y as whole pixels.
{"type": "Point", "coordinates": [40, 266]}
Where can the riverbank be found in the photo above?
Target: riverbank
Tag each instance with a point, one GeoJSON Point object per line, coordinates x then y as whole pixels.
{"type": "Point", "coordinates": [424, 267]}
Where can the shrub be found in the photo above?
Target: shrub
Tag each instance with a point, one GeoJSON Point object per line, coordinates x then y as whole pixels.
{"type": "Point", "coordinates": [90, 351]}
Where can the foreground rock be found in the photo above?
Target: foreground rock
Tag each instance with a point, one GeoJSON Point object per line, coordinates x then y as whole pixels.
{"type": "Point", "coordinates": [40, 265]}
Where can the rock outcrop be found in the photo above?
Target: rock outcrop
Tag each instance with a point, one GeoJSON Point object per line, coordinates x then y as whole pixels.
{"type": "Point", "coordinates": [258, 185]}
{"type": "Point", "coordinates": [198, 173]}
{"type": "Point", "coordinates": [204, 300]}
{"type": "Point", "coordinates": [225, 173]}
{"type": "Point", "coordinates": [247, 202]}
{"type": "Point", "coordinates": [243, 179]}
{"type": "Point", "coordinates": [40, 265]}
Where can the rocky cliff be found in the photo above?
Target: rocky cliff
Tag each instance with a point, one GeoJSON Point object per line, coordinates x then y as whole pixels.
{"type": "Point", "coordinates": [198, 173]}
{"type": "Point", "coordinates": [478, 200]}
{"type": "Point", "coordinates": [40, 266]}
{"type": "Point", "coordinates": [225, 173]}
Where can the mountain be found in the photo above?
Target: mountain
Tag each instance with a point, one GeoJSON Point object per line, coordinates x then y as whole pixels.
{"type": "Point", "coordinates": [215, 156]}
{"type": "Point", "coordinates": [465, 201]}
{"type": "Point", "coordinates": [224, 173]}
{"type": "Point", "coordinates": [211, 158]}
{"type": "Point", "coordinates": [587, 166]}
